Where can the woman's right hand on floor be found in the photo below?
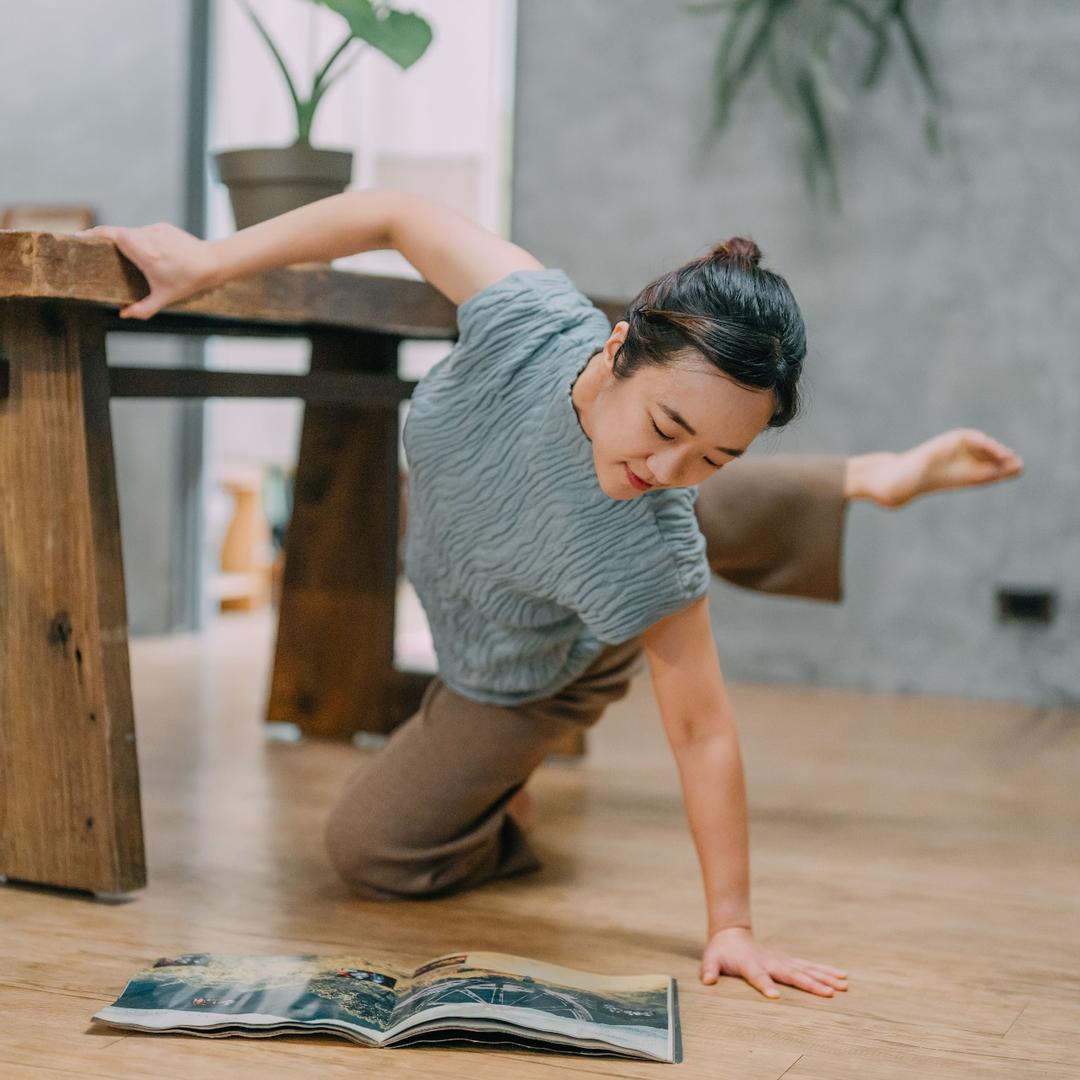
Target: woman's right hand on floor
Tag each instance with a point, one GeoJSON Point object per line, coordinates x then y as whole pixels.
{"type": "Point", "coordinates": [735, 951]}
{"type": "Point", "coordinates": [175, 263]}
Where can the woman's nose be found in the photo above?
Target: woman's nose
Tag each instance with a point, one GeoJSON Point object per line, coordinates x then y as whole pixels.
{"type": "Point", "coordinates": [667, 468]}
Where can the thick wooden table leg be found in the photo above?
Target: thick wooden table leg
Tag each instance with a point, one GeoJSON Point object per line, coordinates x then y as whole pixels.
{"type": "Point", "coordinates": [69, 784]}
{"type": "Point", "coordinates": [334, 660]}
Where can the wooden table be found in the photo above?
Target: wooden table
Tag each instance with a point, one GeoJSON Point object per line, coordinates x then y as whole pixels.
{"type": "Point", "coordinates": [69, 786]}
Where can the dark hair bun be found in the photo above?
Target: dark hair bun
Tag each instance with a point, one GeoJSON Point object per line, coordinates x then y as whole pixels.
{"type": "Point", "coordinates": [737, 249]}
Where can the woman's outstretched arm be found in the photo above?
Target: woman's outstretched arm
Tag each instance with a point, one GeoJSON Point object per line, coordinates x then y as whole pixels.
{"type": "Point", "coordinates": [456, 255]}
{"type": "Point", "coordinates": [177, 264]}
{"type": "Point", "coordinates": [775, 522]}
{"type": "Point", "coordinates": [961, 457]}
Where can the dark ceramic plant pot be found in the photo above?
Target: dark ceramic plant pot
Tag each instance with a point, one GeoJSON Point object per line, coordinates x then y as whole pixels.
{"type": "Point", "coordinates": [266, 182]}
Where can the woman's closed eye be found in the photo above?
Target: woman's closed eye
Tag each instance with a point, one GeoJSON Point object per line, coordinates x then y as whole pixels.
{"type": "Point", "coordinates": [714, 464]}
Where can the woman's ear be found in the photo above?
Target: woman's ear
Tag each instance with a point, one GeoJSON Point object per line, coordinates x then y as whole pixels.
{"type": "Point", "coordinates": [614, 343]}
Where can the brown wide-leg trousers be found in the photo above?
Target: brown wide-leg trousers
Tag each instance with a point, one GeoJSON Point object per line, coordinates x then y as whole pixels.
{"type": "Point", "coordinates": [426, 814]}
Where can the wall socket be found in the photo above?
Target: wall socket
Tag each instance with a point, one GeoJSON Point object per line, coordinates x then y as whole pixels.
{"type": "Point", "coordinates": [1026, 604]}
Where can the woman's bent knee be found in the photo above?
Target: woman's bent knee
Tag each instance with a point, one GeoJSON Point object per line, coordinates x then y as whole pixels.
{"type": "Point", "coordinates": [403, 875]}
{"type": "Point", "coordinates": [371, 880]}
{"type": "Point", "coordinates": [358, 854]}
{"type": "Point", "coordinates": [376, 865]}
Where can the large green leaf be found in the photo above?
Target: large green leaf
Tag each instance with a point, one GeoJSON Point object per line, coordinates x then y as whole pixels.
{"type": "Point", "coordinates": [401, 36]}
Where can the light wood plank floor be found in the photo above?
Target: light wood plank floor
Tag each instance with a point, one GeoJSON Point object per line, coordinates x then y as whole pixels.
{"type": "Point", "coordinates": [927, 846]}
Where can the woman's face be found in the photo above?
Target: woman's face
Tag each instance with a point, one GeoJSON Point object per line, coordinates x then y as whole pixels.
{"type": "Point", "coordinates": [671, 427]}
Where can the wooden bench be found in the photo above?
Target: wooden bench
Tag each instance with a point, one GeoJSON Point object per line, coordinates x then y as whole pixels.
{"type": "Point", "coordinates": [69, 787]}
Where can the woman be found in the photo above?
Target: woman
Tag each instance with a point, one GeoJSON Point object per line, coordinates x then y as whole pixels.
{"type": "Point", "coordinates": [566, 510]}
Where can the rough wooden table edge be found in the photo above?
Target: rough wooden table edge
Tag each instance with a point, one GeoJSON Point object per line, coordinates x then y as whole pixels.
{"type": "Point", "coordinates": [62, 266]}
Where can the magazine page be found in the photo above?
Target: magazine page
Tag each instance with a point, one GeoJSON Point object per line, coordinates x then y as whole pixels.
{"type": "Point", "coordinates": [205, 993]}
{"type": "Point", "coordinates": [638, 1013]}
{"type": "Point", "coordinates": [448, 1031]}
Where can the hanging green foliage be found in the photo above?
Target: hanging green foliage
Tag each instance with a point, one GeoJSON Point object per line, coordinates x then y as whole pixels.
{"type": "Point", "coordinates": [802, 45]}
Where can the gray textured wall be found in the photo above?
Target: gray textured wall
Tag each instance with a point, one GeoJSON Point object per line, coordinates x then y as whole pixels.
{"type": "Point", "coordinates": [944, 295]}
{"type": "Point", "coordinates": [95, 111]}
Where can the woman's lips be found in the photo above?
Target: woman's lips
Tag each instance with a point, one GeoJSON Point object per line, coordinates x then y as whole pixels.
{"type": "Point", "coordinates": [636, 480]}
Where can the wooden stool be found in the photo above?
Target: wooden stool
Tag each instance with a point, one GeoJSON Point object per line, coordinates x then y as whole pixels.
{"type": "Point", "coordinates": [244, 581]}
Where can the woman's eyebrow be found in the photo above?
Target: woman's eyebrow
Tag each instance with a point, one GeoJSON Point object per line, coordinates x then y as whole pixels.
{"type": "Point", "coordinates": [682, 423]}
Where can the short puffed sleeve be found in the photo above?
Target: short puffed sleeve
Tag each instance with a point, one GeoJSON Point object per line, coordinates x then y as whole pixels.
{"type": "Point", "coordinates": [519, 312]}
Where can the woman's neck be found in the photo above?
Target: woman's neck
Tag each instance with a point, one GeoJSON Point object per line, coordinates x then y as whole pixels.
{"type": "Point", "coordinates": [583, 393]}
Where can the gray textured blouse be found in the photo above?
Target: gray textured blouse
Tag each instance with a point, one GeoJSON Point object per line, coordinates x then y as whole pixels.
{"type": "Point", "coordinates": [524, 567]}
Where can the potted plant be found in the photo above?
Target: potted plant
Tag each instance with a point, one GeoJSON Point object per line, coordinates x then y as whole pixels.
{"type": "Point", "coordinates": [265, 182]}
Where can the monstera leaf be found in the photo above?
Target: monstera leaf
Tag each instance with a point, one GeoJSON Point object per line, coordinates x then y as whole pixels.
{"type": "Point", "coordinates": [402, 36]}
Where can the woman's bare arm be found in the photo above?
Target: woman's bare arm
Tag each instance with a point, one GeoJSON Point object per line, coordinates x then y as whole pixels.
{"type": "Point", "coordinates": [958, 458]}
{"type": "Point", "coordinates": [698, 720]}
{"type": "Point", "coordinates": [452, 252]}
{"type": "Point", "coordinates": [700, 727]}
{"type": "Point", "coordinates": [328, 229]}
{"type": "Point", "coordinates": [456, 255]}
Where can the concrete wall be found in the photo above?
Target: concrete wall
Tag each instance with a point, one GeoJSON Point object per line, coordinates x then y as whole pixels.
{"type": "Point", "coordinates": [95, 111]}
{"type": "Point", "coordinates": [943, 295]}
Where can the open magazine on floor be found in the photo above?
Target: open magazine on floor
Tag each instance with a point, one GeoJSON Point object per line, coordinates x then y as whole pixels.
{"type": "Point", "coordinates": [492, 999]}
